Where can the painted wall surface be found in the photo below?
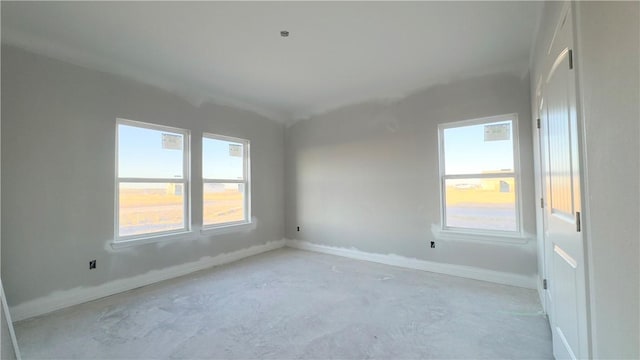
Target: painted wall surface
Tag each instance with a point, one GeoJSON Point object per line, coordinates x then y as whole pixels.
{"type": "Point", "coordinates": [607, 61]}
{"type": "Point", "coordinates": [58, 143]}
{"type": "Point", "coordinates": [6, 341]}
{"type": "Point", "coordinates": [366, 176]}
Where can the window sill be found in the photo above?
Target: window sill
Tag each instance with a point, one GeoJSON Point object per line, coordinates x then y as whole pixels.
{"type": "Point", "coordinates": [479, 237]}
{"type": "Point", "coordinates": [184, 235]}
{"type": "Point", "coordinates": [228, 228]}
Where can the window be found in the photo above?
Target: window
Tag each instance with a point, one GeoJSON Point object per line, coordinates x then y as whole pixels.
{"type": "Point", "coordinates": [226, 187]}
{"type": "Point", "coordinates": [152, 180]}
{"type": "Point", "coordinates": [479, 174]}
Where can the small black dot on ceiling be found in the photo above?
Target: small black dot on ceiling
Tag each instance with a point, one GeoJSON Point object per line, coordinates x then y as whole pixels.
{"type": "Point", "coordinates": [284, 33]}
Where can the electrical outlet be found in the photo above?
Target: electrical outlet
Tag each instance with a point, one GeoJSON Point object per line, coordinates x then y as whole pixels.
{"type": "Point", "coordinates": [433, 244]}
{"type": "Point", "coordinates": [92, 264]}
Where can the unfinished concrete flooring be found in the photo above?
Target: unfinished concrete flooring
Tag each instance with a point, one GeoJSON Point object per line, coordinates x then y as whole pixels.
{"type": "Point", "coordinates": [290, 304]}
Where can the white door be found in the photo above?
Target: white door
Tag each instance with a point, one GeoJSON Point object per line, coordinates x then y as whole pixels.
{"type": "Point", "coordinates": [563, 233]}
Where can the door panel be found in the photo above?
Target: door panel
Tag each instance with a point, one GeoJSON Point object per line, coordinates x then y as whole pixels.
{"type": "Point", "coordinates": [560, 190]}
{"type": "Point", "coordinates": [566, 313]}
{"type": "Point", "coordinates": [563, 240]}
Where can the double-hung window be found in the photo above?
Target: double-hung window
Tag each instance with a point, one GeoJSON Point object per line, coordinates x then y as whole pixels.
{"type": "Point", "coordinates": [226, 186]}
{"type": "Point", "coordinates": [152, 180]}
{"type": "Point", "coordinates": [479, 174]}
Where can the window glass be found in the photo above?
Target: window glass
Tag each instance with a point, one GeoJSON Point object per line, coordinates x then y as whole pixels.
{"type": "Point", "coordinates": [478, 149]}
{"type": "Point", "coordinates": [152, 180]}
{"type": "Point", "coordinates": [147, 208]}
{"type": "Point", "coordinates": [223, 203]}
{"type": "Point", "coordinates": [222, 159]}
{"type": "Point", "coordinates": [488, 204]}
{"type": "Point", "coordinates": [149, 153]}
{"type": "Point", "coordinates": [479, 175]}
{"type": "Point", "coordinates": [225, 170]}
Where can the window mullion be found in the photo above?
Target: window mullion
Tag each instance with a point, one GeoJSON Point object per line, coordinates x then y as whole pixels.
{"type": "Point", "coordinates": [152, 180]}
{"type": "Point", "coordinates": [480, 176]}
{"type": "Point", "coordinates": [218, 181]}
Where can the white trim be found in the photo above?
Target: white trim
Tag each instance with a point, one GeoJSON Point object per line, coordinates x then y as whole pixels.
{"type": "Point", "coordinates": [153, 180]}
{"type": "Point", "coordinates": [218, 181]}
{"type": "Point", "coordinates": [151, 126]}
{"type": "Point", "coordinates": [7, 314]}
{"type": "Point", "coordinates": [590, 255]}
{"type": "Point", "coordinates": [539, 184]}
{"type": "Point", "coordinates": [151, 239]}
{"type": "Point", "coordinates": [481, 176]}
{"type": "Point", "coordinates": [493, 237]}
{"type": "Point", "coordinates": [224, 138]}
{"type": "Point", "coordinates": [228, 228]}
{"type": "Point", "coordinates": [63, 299]}
{"type": "Point", "coordinates": [469, 272]}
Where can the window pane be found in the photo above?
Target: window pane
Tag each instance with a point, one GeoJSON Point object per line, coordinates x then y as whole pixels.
{"type": "Point", "coordinates": [150, 207]}
{"type": "Point", "coordinates": [488, 204]}
{"type": "Point", "coordinates": [222, 159]}
{"type": "Point", "coordinates": [479, 149]}
{"type": "Point", "coordinates": [223, 203]}
{"type": "Point", "coordinates": [146, 153]}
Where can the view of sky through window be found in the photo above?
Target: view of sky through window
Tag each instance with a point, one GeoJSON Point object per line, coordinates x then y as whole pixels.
{"type": "Point", "coordinates": [222, 159]}
{"type": "Point", "coordinates": [141, 153]}
{"type": "Point", "coordinates": [467, 152]}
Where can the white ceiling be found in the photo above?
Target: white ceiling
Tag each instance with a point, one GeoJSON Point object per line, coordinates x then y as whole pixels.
{"type": "Point", "coordinates": [338, 53]}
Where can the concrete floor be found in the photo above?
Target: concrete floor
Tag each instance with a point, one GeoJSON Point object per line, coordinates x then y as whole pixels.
{"type": "Point", "coordinates": [289, 304]}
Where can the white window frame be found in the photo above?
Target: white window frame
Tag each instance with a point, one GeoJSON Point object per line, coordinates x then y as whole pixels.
{"type": "Point", "coordinates": [246, 168]}
{"type": "Point", "coordinates": [515, 174]}
{"type": "Point", "coordinates": [185, 181]}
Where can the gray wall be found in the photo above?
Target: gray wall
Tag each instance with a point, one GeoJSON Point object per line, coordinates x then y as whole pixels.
{"type": "Point", "coordinates": [58, 139]}
{"type": "Point", "coordinates": [6, 341]}
{"type": "Point", "coordinates": [366, 176]}
{"type": "Point", "coordinates": [608, 67]}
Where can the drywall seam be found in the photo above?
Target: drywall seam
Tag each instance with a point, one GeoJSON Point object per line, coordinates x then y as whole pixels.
{"type": "Point", "coordinates": [62, 299]}
{"type": "Point", "coordinates": [196, 95]}
{"type": "Point", "coordinates": [518, 68]}
{"type": "Point", "coordinates": [469, 272]}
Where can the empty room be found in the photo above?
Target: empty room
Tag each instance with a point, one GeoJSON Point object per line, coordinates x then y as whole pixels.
{"type": "Point", "coordinates": [320, 180]}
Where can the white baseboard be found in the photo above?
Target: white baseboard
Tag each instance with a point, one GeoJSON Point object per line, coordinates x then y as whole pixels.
{"type": "Point", "coordinates": [62, 299]}
{"type": "Point", "coordinates": [504, 278]}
